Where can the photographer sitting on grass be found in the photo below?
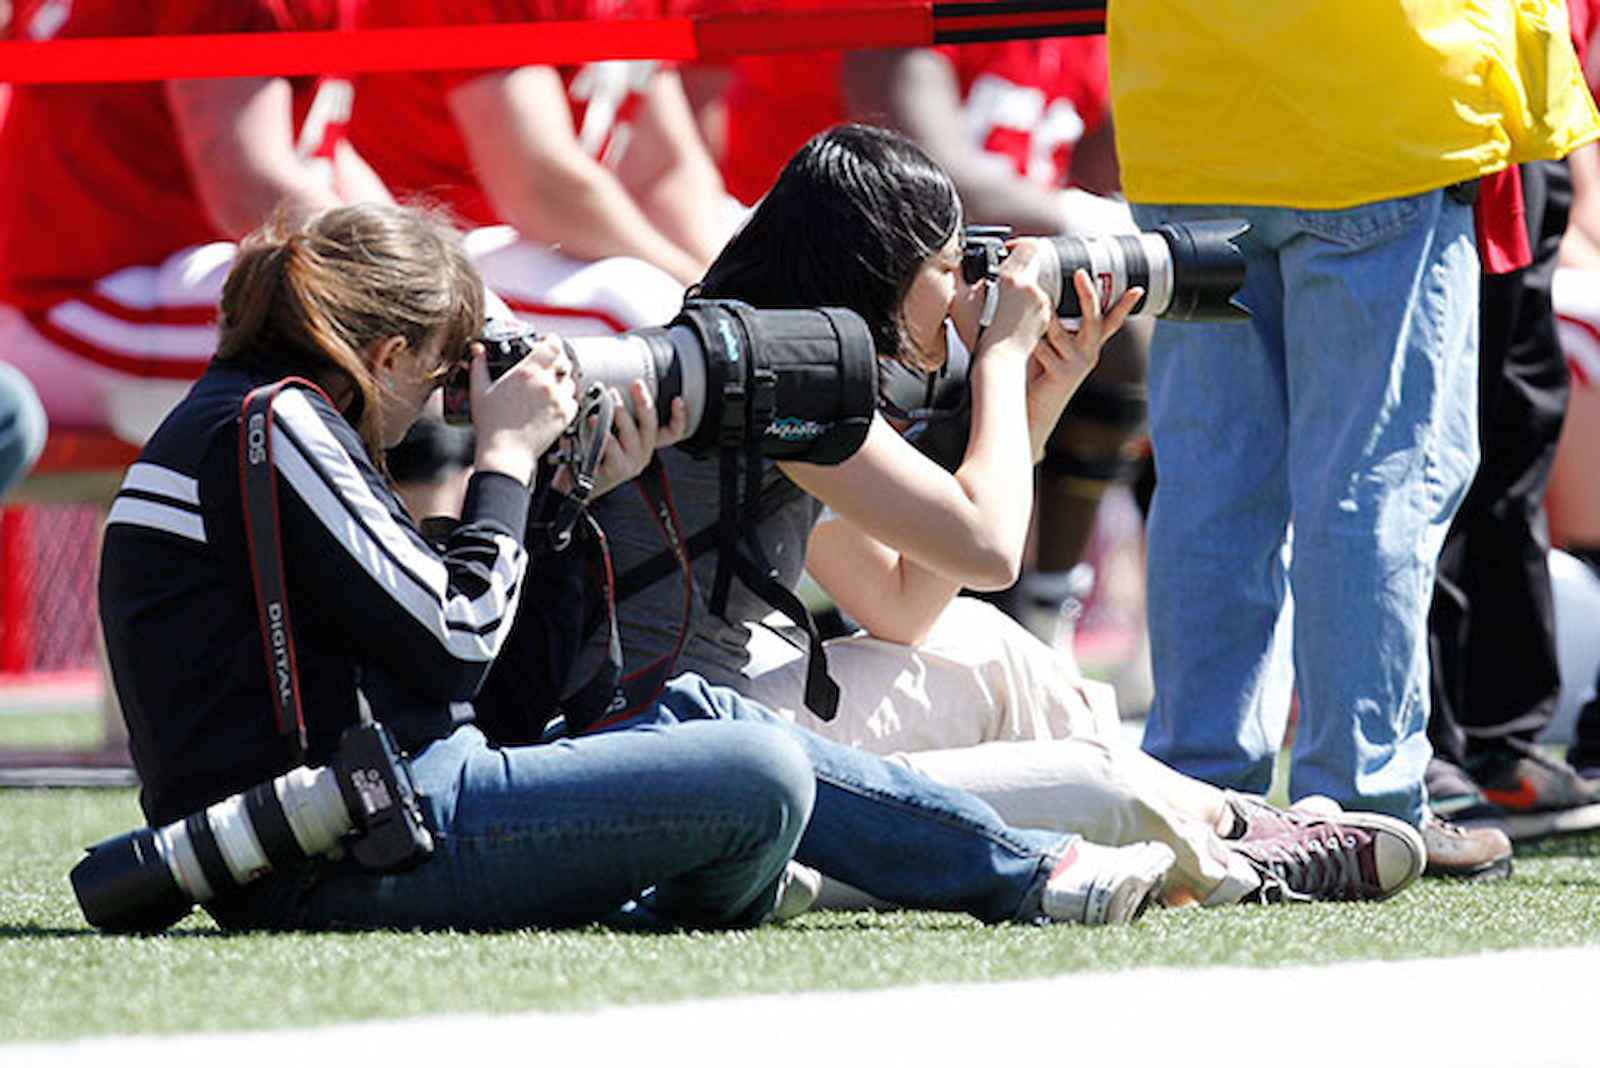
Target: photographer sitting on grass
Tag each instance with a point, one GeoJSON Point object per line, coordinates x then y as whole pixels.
{"type": "Point", "coordinates": [358, 314]}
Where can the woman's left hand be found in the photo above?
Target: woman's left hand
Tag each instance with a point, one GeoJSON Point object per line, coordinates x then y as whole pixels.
{"type": "Point", "coordinates": [1066, 356]}
{"type": "Point", "coordinates": [636, 434]}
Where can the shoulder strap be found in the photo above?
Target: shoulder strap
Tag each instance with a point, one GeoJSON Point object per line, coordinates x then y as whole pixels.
{"type": "Point", "coordinates": [258, 485]}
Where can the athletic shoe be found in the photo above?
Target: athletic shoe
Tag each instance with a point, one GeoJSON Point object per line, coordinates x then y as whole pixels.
{"type": "Point", "coordinates": [1540, 794]}
{"type": "Point", "coordinates": [1479, 854]}
{"type": "Point", "coordinates": [1316, 851]}
{"type": "Point", "coordinates": [1457, 797]}
{"type": "Point", "coordinates": [1095, 884]}
{"type": "Point", "coordinates": [797, 891]}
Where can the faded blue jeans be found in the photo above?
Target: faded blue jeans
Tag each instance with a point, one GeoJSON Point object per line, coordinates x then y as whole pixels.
{"type": "Point", "coordinates": [889, 831]}
{"type": "Point", "coordinates": [689, 825]}
{"type": "Point", "coordinates": [1346, 409]}
{"type": "Point", "coordinates": [682, 816]}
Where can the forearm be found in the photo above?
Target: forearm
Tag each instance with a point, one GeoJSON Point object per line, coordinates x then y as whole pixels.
{"type": "Point", "coordinates": [916, 92]}
{"type": "Point", "coordinates": [586, 213]}
{"type": "Point", "coordinates": [997, 470]}
{"type": "Point", "coordinates": [238, 138]}
{"type": "Point", "coordinates": [894, 598]}
{"type": "Point", "coordinates": [669, 172]}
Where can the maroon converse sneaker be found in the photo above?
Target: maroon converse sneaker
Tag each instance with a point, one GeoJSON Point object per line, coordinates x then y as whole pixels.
{"type": "Point", "coordinates": [1316, 851]}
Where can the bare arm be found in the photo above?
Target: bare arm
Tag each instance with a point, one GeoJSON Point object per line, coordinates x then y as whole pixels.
{"type": "Point", "coordinates": [670, 174]}
{"type": "Point", "coordinates": [517, 126]}
{"type": "Point", "coordinates": [238, 136]}
{"type": "Point", "coordinates": [355, 180]}
{"type": "Point", "coordinates": [968, 526]}
{"type": "Point", "coordinates": [1580, 247]}
{"type": "Point", "coordinates": [910, 536]}
{"type": "Point", "coordinates": [916, 91]}
{"type": "Point", "coordinates": [894, 598]}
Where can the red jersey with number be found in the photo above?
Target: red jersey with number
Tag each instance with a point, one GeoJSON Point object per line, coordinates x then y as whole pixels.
{"type": "Point", "coordinates": [402, 123]}
{"type": "Point", "coordinates": [93, 177]}
{"type": "Point", "coordinates": [1027, 103]}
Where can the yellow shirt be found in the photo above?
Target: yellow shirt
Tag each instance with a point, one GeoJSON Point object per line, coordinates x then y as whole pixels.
{"type": "Point", "coordinates": [1299, 103]}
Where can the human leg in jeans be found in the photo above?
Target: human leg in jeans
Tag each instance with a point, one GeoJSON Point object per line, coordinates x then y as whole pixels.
{"type": "Point", "coordinates": [1215, 575]}
{"type": "Point", "coordinates": [707, 813]}
{"type": "Point", "coordinates": [1381, 337]}
{"type": "Point", "coordinates": [890, 832]}
{"type": "Point", "coordinates": [1348, 402]}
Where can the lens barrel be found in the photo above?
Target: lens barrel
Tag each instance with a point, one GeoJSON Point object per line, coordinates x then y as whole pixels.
{"type": "Point", "coordinates": [801, 382]}
{"type": "Point", "coordinates": [147, 880]}
{"type": "Point", "coordinates": [1189, 271]}
{"type": "Point", "coordinates": [125, 886]}
{"type": "Point", "coordinates": [1207, 270]}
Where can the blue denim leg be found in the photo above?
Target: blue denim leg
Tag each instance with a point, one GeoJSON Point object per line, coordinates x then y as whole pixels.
{"type": "Point", "coordinates": [707, 813]}
{"type": "Point", "coordinates": [893, 833]}
{"type": "Point", "coordinates": [22, 427]}
{"type": "Point", "coordinates": [1364, 433]}
{"type": "Point", "coordinates": [1216, 571]}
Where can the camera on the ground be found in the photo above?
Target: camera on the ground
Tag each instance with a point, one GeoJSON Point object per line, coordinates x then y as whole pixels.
{"type": "Point", "coordinates": [1189, 271]}
{"type": "Point", "coordinates": [365, 803]}
{"type": "Point", "coordinates": [798, 383]}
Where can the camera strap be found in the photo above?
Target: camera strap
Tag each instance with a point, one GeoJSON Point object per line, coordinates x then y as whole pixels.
{"type": "Point", "coordinates": [611, 696]}
{"type": "Point", "coordinates": [258, 484]}
{"type": "Point", "coordinates": [749, 405]}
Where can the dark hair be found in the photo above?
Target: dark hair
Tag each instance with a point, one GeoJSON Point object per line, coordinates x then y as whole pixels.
{"type": "Point", "coordinates": [308, 298]}
{"type": "Point", "coordinates": [849, 221]}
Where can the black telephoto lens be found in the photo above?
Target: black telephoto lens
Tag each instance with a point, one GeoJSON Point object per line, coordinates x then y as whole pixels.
{"type": "Point", "coordinates": [1207, 269]}
{"type": "Point", "coordinates": [125, 887]}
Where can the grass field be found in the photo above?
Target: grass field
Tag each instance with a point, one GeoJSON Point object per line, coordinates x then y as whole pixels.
{"type": "Point", "coordinates": [62, 980]}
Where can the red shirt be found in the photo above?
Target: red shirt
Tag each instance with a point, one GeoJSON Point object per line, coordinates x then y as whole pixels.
{"type": "Point", "coordinates": [1028, 102]}
{"type": "Point", "coordinates": [94, 177]}
{"type": "Point", "coordinates": [402, 124]}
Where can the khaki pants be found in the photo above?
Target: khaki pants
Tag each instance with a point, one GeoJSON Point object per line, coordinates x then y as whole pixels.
{"type": "Point", "coordinates": [984, 705]}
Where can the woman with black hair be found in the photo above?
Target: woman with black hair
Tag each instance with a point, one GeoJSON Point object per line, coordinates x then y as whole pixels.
{"type": "Point", "coordinates": [862, 218]}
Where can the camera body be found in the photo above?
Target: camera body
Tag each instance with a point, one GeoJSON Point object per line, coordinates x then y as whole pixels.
{"type": "Point", "coordinates": [148, 879]}
{"type": "Point", "coordinates": [1189, 271]}
{"type": "Point", "coordinates": [798, 383]}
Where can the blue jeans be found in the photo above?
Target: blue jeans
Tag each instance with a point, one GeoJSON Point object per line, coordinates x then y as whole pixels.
{"type": "Point", "coordinates": [1346, 407]}
{"type": "Point", "coordinates": [22, 427]}
{"type": "Point", "coordinates": [889, 831]}
{"type": "Point", "coordinates": [685, 825]}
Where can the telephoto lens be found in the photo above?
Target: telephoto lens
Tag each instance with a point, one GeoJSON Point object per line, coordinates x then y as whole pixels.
{"type": "Point", "coordinates": [800, 383]}
{"type": "Point", "coordinates": [148, 879]}
{"type": "Point", "coordinates": [1189, 271]}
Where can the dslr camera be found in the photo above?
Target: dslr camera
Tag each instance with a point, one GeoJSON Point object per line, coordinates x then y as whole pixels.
{"type": "Point", "coordinates": [794, 383]}
{"type": "Point", "coordinates": [365, 802]}
{"type": "Point", "coordinates": [1189, 271]}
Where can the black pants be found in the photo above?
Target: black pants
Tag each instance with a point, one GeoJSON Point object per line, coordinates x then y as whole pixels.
{"type": "Point", "coordinates": [1492, 630]}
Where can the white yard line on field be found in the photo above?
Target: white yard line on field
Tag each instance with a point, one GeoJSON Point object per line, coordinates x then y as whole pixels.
{"type": "Point", "coordinates": [1523, 1008]}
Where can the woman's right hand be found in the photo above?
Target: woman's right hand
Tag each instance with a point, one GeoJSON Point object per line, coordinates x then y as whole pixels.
{"type": "Point", "coordinates": [518, 416]}
{"type": "Point", "coordinates": [1024, 311]}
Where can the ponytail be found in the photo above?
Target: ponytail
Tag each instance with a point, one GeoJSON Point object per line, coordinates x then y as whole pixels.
{"type": "Point", "coordinates": [310, 299]}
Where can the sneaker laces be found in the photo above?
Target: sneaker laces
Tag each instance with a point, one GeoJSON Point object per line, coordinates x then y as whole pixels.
{"type": "Point", "coordinates": [1313, 867]}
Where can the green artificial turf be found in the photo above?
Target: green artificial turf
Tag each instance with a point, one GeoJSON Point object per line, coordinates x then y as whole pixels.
{"type": "Point", "coordinates": [76, 728]}
{"type": "Point", "coordinates": [62, 980]}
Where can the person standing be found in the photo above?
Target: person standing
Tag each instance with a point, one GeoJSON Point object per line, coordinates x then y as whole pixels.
{"type": "Point", "coordinates": [1351, 142]}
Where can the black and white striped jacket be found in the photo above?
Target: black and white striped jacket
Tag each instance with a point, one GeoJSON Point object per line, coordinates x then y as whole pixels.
{"type": "Point", "coordinates": [371, 601]}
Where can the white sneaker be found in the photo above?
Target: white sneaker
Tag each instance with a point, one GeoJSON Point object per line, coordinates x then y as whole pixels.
{"type": "Point", "coordinates": [797, 892]}
{"type": "Point", "coordinates": [1096, 884]}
